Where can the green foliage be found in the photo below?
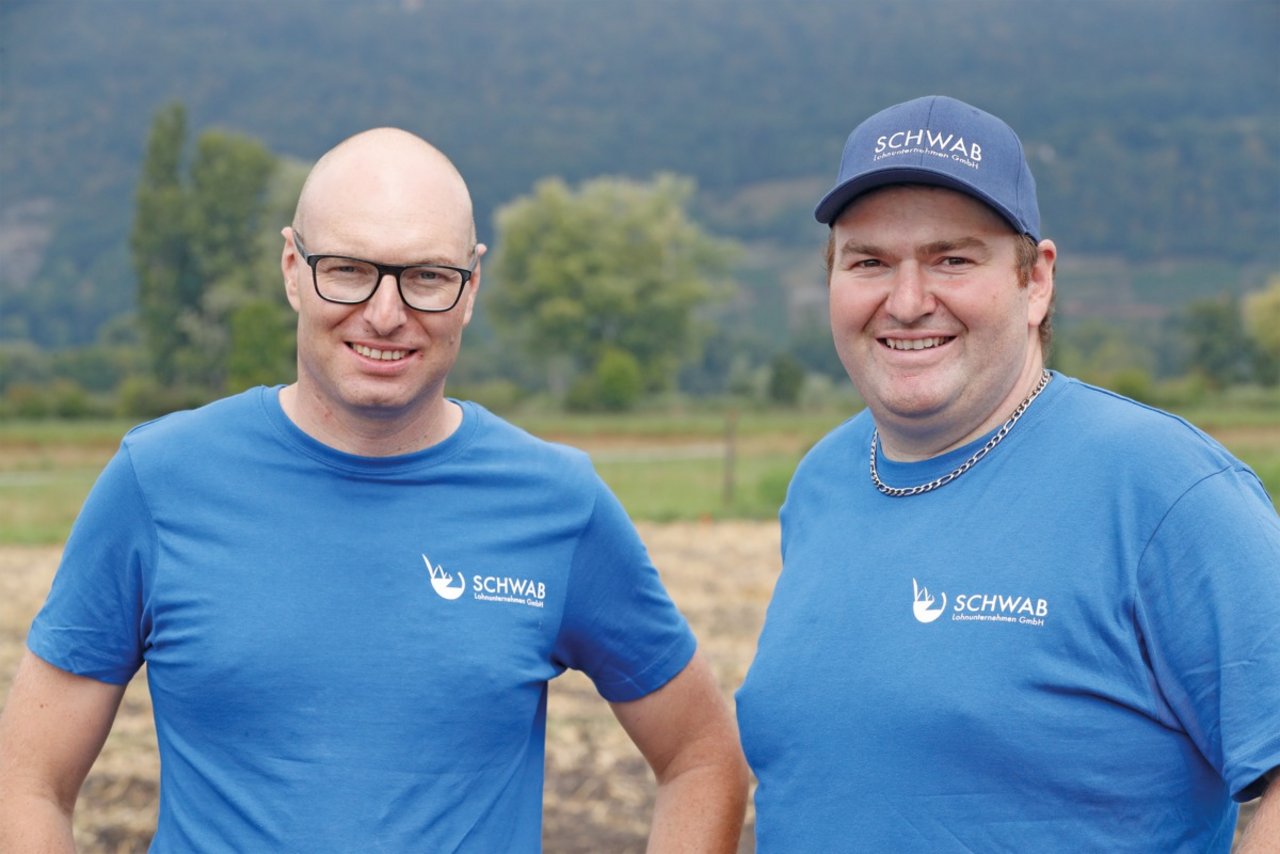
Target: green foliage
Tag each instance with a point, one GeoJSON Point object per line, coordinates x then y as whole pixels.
{"type": "Point", "coordinates": [25, 400]}
{"type": "Point", "coordinates": [62, 398]}
{"type": "Point", "coordinates": [22, 363]}
{"type": "Point", "coordinates": [1133, 383]}
{"type": "Point", "coordinates": [615, 386]}
{"type": "Point", "coordinates": [1262, 316]}
{"type": "Point", "coordinates": [1102, 353]}
{"type": "Point", "coordinates": [786, 379]}
{"type": "Point", "coordinates": [260, 344]}
{"type": "Point", "coordinates": [618, 380]}
{"type": "Point", "coordinates": [196, 250]}
{"type": "Point", "coordinates": [72, 383]}
{"type": "Point", "coordinates": [1262, 322]}
{"type": "Point", "coordinates": [160, 245]}
{"type": "Point", "coordinates": [615, 265]}
{"type": "Point", "coordinates": [498, 395]}
{"type": "Point", "coordinates": [1155, 139]}
{"type": "Point", "coordinates": [229, 178]}
{"type": "Point", "coordinates": [812, 345]}
{"type": "Point", "coordinates": [1219, 348]}
{"type": "Point", "coordinates": [142, 397]}
{"type": "Point", "coordinates": [1247, 406]}
{"type": "Point", "coordinates": [1182, 394]}
{"type": "Point", "coordinates": [99, 368]}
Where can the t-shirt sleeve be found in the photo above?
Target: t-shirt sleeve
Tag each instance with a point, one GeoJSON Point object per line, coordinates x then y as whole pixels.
{"type": "Point", "coordinates": [620, 626]}
{"type": "Point", "coordinates": [1209, 607]}
{"type": "Point", "coordinates": [94, 622]}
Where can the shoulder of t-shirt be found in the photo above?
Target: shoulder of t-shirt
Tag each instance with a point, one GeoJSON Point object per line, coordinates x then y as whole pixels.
{"type": "Point", "coordinates": [855, 429]}
{"type": "Point", "coordinates": [188, 426]}
{"type": "Point", "coordinates": [501, 436]}
{"type": "Point", "coordinates": [1116, 423]}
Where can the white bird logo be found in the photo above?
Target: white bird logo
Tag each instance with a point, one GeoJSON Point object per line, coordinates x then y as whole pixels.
{"type": "Point", "coordinates": [923, 605]}
{"type": "Point", "coordinates": [442, 582]}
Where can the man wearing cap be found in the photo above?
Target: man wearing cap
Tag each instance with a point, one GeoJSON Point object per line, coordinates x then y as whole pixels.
{"type": "Point", "coordinates": [1016, 612]}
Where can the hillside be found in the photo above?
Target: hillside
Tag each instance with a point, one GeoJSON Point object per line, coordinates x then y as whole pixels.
{"type": "Point", "coordinates": [1154, 136]}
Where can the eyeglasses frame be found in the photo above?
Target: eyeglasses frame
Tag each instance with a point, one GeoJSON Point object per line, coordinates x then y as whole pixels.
{"type": "Point", "coordinates": [384, 270]}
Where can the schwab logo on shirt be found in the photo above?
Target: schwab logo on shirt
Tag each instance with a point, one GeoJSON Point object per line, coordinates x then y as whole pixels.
{"type": "Point", "coordinates": [487, 588]}
{"type": "Point", "coordinates": [442, 582]}
{"type": "Point", "coordinates": [923, 605]}
{"type": "Point", "coordinates": [980, 607]}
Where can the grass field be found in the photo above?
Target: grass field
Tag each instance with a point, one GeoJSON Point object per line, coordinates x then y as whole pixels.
{"type": "Point", "coordinates": [663, 466]}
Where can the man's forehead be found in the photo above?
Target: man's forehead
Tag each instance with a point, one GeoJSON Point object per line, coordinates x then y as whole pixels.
{"type": "Point", "coordinates": [426, 239]}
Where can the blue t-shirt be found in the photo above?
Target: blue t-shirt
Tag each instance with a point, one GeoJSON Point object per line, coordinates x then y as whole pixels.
{"type": "Point", "coordinates": [349, 653]}
{"type": "Point", "coordinates": [1074, 646]}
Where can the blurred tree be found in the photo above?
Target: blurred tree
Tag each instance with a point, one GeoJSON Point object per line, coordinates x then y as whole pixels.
{"type": "Point", "coordinates": [1134, 383]}
{"type": "Point", "coordinates": [260, 342]}
{"type": "Point", "coordinates": [615, 265]}
{"type": "Point", "coordinates": [162, 261]}
{"type": "Point", "coordinates": [230, 177]}
{"type": "Point", "coordinates": [197, 249]}
{"type": "Point", "coordinates": [786, 379]}
{"type": "Point", "coordinates": [1102, 352]}
{"type": "Point", "coordinates": [23, 363]}
{"type": "Point", "coordinates": [1262, 322]}
{"type": "Point", "coordinates": [811, 344]}
{"type": "Point", "coordinates": [618, 380]}
{"type": "Point", "coordinates": [731, 348]}
{"type": "Point", "coordinates": [1219, 349]}
{"type": "Point", "coordinates": [614, 386]}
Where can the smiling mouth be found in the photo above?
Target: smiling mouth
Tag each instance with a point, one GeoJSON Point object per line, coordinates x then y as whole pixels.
{"type": "Point", "coordinates": [915, 343]}
{"type": "Point", "coordinates": [380, 355]}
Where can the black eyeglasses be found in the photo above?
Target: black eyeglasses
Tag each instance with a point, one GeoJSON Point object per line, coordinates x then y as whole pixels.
{"type": "Point", "coordinates": [350, 281]}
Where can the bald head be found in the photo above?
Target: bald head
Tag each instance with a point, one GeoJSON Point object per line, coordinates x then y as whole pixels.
{"type": "Point", "coordinates": [389, 183]}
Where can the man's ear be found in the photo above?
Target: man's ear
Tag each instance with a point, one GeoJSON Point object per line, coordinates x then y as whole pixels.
{"type": "Point", "coordinates": [1040, 284]}
{"type": "Point", "coordinates": [290, 262]}
{"type": "Point", "coordinates": [473, 286]}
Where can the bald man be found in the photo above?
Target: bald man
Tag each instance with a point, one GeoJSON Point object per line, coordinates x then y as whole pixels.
{"type": "Point", "coordinates": [350, 592]}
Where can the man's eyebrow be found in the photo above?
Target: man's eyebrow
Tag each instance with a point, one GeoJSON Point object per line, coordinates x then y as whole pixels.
{"type": "Point", "coordinates": [938, 247]}
{"type": "Point", "coordinates": [853, 247]}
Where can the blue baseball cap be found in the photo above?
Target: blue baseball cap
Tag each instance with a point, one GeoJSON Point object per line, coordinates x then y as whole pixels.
{"type": "Point", "coordinates": [944, 142]}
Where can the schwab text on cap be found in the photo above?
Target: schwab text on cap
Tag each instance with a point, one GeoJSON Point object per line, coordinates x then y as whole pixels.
{"type": "Point", "coordinates": [944, 142]}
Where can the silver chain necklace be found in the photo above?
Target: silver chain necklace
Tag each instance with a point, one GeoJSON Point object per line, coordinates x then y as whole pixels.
{"type": "Point", "coordinates": [902, 492]}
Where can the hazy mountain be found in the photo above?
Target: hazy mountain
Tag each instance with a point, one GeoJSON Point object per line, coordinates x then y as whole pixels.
{"type": "Point", "coordinates": [1154, 127]}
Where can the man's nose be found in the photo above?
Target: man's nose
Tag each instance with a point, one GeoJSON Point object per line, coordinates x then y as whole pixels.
{"type": "Point", "coordinates": [385, 310]}
{"type": "Point", "coordinates": [911, 297]}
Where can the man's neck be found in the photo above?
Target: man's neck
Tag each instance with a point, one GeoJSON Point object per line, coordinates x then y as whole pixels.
{"type": "Point", "coordinates": [371, 435]}
{"type": "Point", "coordinates": [907, 441]}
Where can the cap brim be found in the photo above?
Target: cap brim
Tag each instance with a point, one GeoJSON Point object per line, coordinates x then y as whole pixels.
{"type": "Point", "coordinates": [834, 202]}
